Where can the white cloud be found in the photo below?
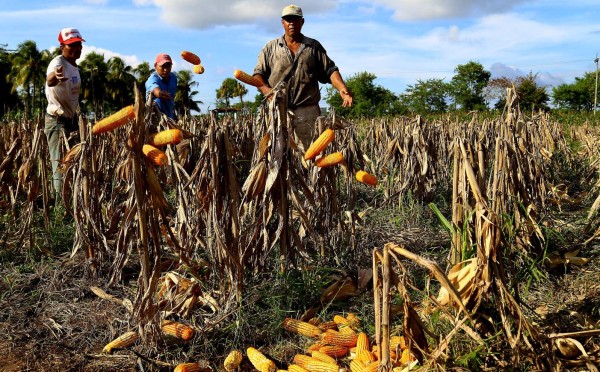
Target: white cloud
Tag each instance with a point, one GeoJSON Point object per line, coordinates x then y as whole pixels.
{"type": "Point", "coordinates": [130, 60]}
{"type": "Point", "coordinates": [414, 10]}
{"type": "Point", "coordinates": [202, 14]}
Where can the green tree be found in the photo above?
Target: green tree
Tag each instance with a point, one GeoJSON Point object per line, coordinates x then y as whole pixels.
{"type": "Point", "coordinates": [368, 99]}
{"type": "Point", "coordinates": [142, 72]}
{"type": "Point", "coordinates": [427, 96]}
{"type": "Point", "coordinates": [467, 86]}
{"type": "Point", "coordinates": [120, 83]}
{"type": "Point", "coordinates": [531, 96]}
{"type": "Point", "coordinates": [184, 97]}
{"type": "Point", "coordinates": [576, 96]}
{"type": "Point", "coordinates": [94, 70]}
{"type": "Point", "coordinates": [10, 100]}
{"type": "Point", "coordinates": [28, 72]}
{"type": "Point", "coordinates": [228, 90]}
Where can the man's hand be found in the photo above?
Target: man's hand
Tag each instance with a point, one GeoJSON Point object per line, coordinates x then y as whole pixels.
{"type": "Point", "coordinates": [164, 95]}
{"type": "Point", "coordinates": [59, 74]}
{"type": "Point", "coordinates": [346, 98]}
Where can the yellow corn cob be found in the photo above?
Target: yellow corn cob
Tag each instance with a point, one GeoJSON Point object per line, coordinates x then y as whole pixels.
{"type": "Point", "coordinates": [245, 78]}
{"type": "Point", "coordinates": [121, 342]}
{"type": "Point", "coordinates": [166, 137]}
{"type": "Point", "coordinates": [322, 357]}
{"type": "Point", "coordinates": [260, 361]}
{"type": "Point", "coordinates": [327, 325]}
{"type": "Point", "coordinates": [319, 144]}
{"type": "Point", "coordinates": [178, 330]}
{"type": "Point", "coordinates": [296, 368]}
{"type": "Point", "coordinates": [314, 321]}
{"type": "Point", "coordinates": [198, 69]}
{"type": "Point", "coordinates": [316, 346]}
{"type": "Point", "coordinates": [398, 342]}
{"type": "Point", "coordinates": [233, 360]}
{"type": "Point", "coordinates": [301, 328]}
{"type": "Point", "coordinates": [337, 338]}
{"type": "Point", "coordinates": [377, 354]}
{"type": "Point", "coordinates": [343, 324]}
{"type": "Point", "coordinates": [114, 121]}
{"type": "Point", "coordinates": [330, 160]}
{"type": "Point", "coordinates": [155, 155]}
{"type": "Point", "coordinates": [406, 357]}
{"type": "Point", "coordinates": [366, 357]}
{"type": "Point", "coordinates": [366, 178]}
{"type": "Point", "coordinates": [356, 366]}
{"type": "Point", "coordinates": [354, 321]}
{"type": "Point", "coordinates": [314, 365]}
{"type": "Point", "coordinates": [362, 342]}
{"type": "Point", "coordinates": [334, 351]}
{"type": "Point", "coordinates": [190, 57]}
{"type": "Point", "coordinates": [188, 367]}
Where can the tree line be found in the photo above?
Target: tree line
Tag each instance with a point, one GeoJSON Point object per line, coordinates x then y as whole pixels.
{"type": "Point", "coordinates": [106, 87]}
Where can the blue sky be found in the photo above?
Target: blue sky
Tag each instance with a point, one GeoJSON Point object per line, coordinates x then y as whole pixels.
{"type": "Point", "coordinates": [400, 41]}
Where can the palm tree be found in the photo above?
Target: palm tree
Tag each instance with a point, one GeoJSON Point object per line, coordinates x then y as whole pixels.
{"type": "Point", "coordinates": [184, 98]}
{"type": "Point", "coordinates": [120, 82]}
{"type": "Point", "coordinates": [142, 72]}
{"type": "Point", "coordinates": [93, 72]}
{"type": "Point", "coordinates": [28, 72]}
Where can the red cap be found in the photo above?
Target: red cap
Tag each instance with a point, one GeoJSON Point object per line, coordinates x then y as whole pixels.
{"type": "Point", "coordinates": [162, 58]}
{"type": "Point", "coordinates": [69, 35]}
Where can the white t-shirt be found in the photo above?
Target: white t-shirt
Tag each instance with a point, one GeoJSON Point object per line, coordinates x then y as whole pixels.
{"type": "Point", "coordinates": [63, 98]}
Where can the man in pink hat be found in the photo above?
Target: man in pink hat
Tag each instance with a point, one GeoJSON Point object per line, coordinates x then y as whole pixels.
{"type": "Point", "coordinates": [162, 85]}
{"type": "Point", "coordinates": [62, 91]}
{"type": "Point", "coordinates": [304, 63]}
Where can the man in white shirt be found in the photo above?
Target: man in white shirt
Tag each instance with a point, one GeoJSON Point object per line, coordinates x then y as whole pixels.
{"type": "Point", "coordinates": [63, 83]}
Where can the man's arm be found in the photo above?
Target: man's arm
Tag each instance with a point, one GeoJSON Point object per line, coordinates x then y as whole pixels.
{"type": "Point", "coordinates": [338, 83]}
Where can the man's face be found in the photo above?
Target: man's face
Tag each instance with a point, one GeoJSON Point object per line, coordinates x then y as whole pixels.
{"type": "Point", "coordinates": [292, 25]}
{"type": "Point", "coordinates": [71, 51]}
{"type": "Point", "coordinates": [164, 70]}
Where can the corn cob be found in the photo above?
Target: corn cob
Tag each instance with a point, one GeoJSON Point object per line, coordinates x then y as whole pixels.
{"type": "Point", "coordinates": [406, 357]}
{"type": "Point", "coordinates": [319, 144]}
{"type": "Point", "coordinates": [114, 121]}
{"type": "Point", "coordinates": [366, 178]}
{"type": "Point", "coordinates": [316, 346]}
{"type": "Point", "coordinates": [155, 155]}
{"type": "Point", "coordinates": [330, 160]}
{"type": "Point", "coordinates": [312, 364]}
{"type": "Point", "coordinates": [188, 367]}
{"type": "Point", "coordinates": [362, 342]}
{"type": "Point", "coordinates": [178, 330]}
{"type": "Point", "coordinates": [233, 360]}
{"type": "Point", "coordinates": [166, 137]}
{"type": "Point", "coordinates": [366, 357]}
{"type": "Point", "coordinates": [245, 78]}
{"type": "Point", "coordinates": [337, 338]}
{"type": "Point", "coordinates": [301, 328]}
{"type": "Point", "coordinates": [356, 366]}
{"type": "Point", "coordinates": [190, 57]}
{"type": "Point", "coordinates": [343, 324]}
{"type": "Point", "coordinates": [198, 69]}
{"type": "Point", "coordinates": [354, 321]}
{"type": "Point", "coordinates": [121, 342]}
{"type": "Point", "coordinates": [398, 342]}
{"type": "Point", "coordinates": [322, 357]}
{"type": "Point", "coordinates": [327, 325]}
{"type": "Point", "coordinates": [296, 368]}
{"type": "Point", "coordinates": [375, 351]}
{"type": "Point", "coordinates": [334, 351]}
{"type": "Point", "coordinates": [260, 361]}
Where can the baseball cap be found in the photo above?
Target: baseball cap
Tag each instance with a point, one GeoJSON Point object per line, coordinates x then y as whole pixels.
{"type": "Point", "coordinates": [69, 35]}
{"type": "Point", "coordinates": [162, 58]}
{"type": "Point", "coordinates": [291, 10]}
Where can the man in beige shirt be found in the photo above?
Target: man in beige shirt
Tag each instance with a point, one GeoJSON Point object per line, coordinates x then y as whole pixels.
{"type": "Point", "coordinates": [305, 63]}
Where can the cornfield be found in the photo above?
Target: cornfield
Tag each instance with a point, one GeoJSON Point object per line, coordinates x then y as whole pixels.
{"type": "Point", "coordinates": [236, 197]}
